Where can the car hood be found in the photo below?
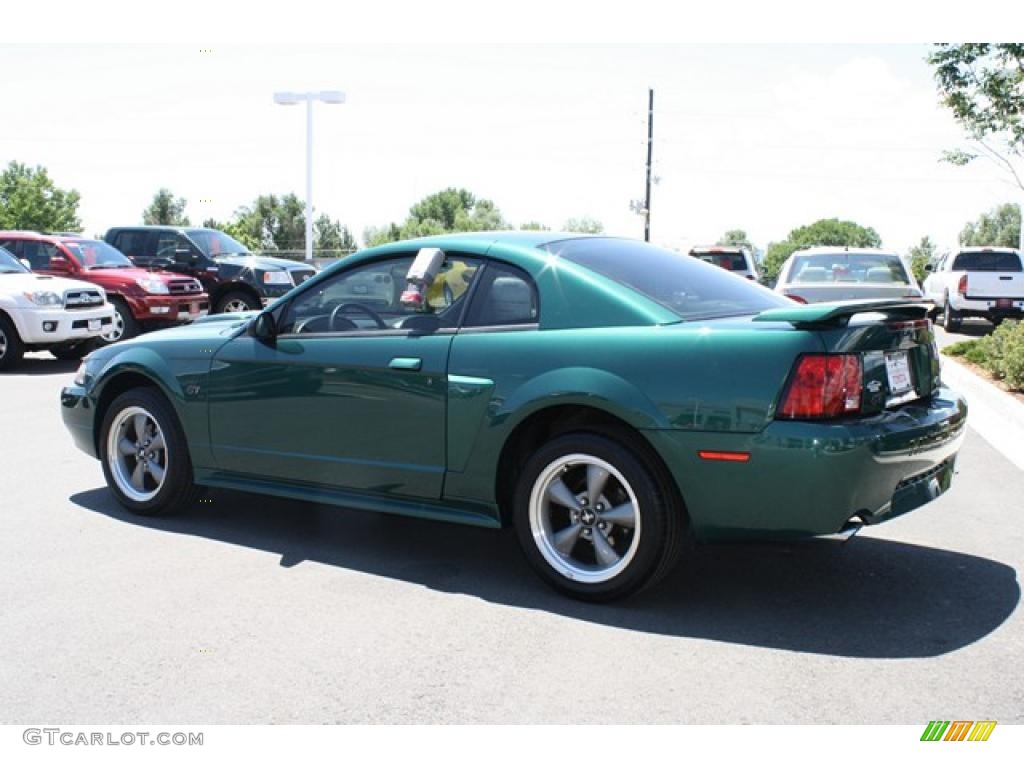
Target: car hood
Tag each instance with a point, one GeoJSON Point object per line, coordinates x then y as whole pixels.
{"type": "Point", "coordinates": [263, 262]}
{"type": "Point", "coordinates": [129, 275]}
{"type": "Point", "coordinates": [29, 281]}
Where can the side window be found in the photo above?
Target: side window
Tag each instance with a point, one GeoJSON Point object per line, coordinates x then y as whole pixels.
{"type": "Point", "coordinates": [131, 243]}
{"type": "Point", "coordinates": [168, 242]}
{"type": "Point", "coordinates": [38, 254]}
{"type": "Point", "coordinates": [14, 246]}
{"type": "Point", "coordinates": [507, 296]}
{"type": "Point", "coordinates": [368, 298]}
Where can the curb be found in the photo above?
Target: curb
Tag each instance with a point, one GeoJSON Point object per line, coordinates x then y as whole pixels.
{"type": "Point", "coordinates": [992, 413]}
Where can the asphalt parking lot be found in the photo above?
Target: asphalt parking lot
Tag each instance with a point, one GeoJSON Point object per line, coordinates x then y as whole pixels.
{"type": "Point", "coordinates": [256, 610]}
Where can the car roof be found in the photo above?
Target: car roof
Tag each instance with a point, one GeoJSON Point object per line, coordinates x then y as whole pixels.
{"type": "Point", "coordinates": [49, 237]}
{"type": "Point", "coordinates": [986, 249]}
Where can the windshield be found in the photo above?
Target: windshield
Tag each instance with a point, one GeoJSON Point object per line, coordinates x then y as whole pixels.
{"type": "Point", "coordinates": [848, 268]}
{"type": "Point", "coordinates": [9, 264]}
{"type": "Point", "coordinates": [987, 261]}
{"type": "Point", "coordinates": [732, 261]}
{"type": "Point", "coordinates": [691, 288]}
{"type": "Point", "coordinates": [96, 254]}
{"type": "Point", "coordinates": [214, 243]}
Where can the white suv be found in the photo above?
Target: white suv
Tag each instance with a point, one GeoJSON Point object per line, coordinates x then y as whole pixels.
{"type": "Point", "coordinates": [43, 312]}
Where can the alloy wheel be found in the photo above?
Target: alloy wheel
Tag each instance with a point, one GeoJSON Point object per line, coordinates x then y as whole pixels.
{"type": "Point", "coordinates": [137, 454]}
{"type": "Point", "coordinates": [584, 518]}
{"type": "Point", "coordinates": [236, 305]}
{"type": "Point", "coordinates": [3, 344]}
{"type": "Point", "coordinates": [116, 331]}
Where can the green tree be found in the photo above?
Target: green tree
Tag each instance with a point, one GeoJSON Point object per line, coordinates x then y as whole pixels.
{"type": "Point", "coordinates": [1000, 226]}
{"type": "Point", "coordinates": [274, 222]}
{"type": "Point", "coordinates": [584, 224]}
{"type": "Point", "coordinates": [330, 235]}
{"type": "Point", "coordinates": [920, 255]}
{"type": "Point", "coordinates": [533, 226]}
{"type": "Point", "coordinates": [821, 232]}
{"type": "Point", "coordinates": [166, 209]}
{"type": "Point", "coordinates": [450, 210]}
{"type": "Point", "coordinates": [232, 228]}
{"type": "Point", "coordinates": [983, 85]}
{"type": "Point", "coordinates": [30, 200]}
{"type": "Point", "coordinates": [735, 237]}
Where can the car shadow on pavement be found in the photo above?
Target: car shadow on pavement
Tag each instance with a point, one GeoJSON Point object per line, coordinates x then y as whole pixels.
{"type": "Point", "coordinates": [866, 597]}
{"type": "Point", "coordinates": [43, 366]}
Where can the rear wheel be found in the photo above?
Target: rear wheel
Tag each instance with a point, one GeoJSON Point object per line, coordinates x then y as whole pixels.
{"type": "Point", "coordinates": [124, 326]}
{"type": "Point", "coordinates": [144, 454]}
{"type": "Point", "coordinates": [593, 520]}
{"type": "Point", "coordinates": [950, 320]}
{"type": "Point", "coordinates": [11, 347]}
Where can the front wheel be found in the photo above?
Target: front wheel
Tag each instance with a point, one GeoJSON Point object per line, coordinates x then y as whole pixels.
{"type": "Point", "coordinates": [594, 520]}
{"type": "Point", "coordinates": [11, 347]}
{"type": "Point", "coordinates": [144, 454]}
{"type": "Point", "coordinates": [236, 301]}
{"type": "Point", "coordinates": [124, 325]}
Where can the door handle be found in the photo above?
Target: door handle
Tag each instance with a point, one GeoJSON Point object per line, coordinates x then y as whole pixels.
{"type": "Point", "coordinates": [405, 364]}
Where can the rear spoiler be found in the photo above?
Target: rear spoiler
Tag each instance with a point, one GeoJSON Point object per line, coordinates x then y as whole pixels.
{"type": "Point", "coordinates": [838, 313]}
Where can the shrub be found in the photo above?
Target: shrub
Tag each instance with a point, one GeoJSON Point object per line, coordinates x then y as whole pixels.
{"type": "Point", "coordinates": [1001, 353]}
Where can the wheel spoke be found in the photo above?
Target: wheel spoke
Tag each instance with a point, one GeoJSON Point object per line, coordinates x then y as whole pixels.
{"type": "Point", "coordinates": [566, 538]}
{"type": "Point", "coordinates": [139, 423]}
{"type": "Point", "coordinates": [156, 472]}
{"type": "Point", "coordinates": [604, 552]}
{"type": "Point", "coordinates": [596, 479]}
{"type": "Point", "coordinates": [158, 441]}
{"type": "Point", "coordinates": [559, 493]}
{"type": "Point", "coordinates": [138, 477]}
{"type": "Point", "coordinates": [126, 447]}
{"type": "Point", "coordinates": [624, 515]}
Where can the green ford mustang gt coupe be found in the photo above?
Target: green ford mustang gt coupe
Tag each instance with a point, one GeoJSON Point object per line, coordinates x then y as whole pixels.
{"type": "Point", "coordinates": [611, 400]}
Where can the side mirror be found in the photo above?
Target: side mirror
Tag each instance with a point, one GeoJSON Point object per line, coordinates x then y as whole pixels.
{"type": "Point", "coordinates": [59, 264]}
{"type": "Point", "coordinates": [183, 256]}
{"type": "Point", "coordinates": [264, 327]}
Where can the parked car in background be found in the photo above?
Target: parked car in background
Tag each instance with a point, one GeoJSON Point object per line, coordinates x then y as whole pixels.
{"type": "Point", "coordinates": [814, 275]}
{"type": "Point", "coordinates": [142, 300]}
{"type": "Point", "coordinates": [235, 279]}
{"type": "Point", "coordinates": [736, 259]}
{"type": "Point", "coordinates": [976, 282]}
{"type": "Point", "coordinates": [610, 399]}
{"type": "Point", "coordinates": [40, 312]}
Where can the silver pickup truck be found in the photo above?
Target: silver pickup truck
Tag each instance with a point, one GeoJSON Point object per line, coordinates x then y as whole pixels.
{"type": "Point", "coordinates": [976, 282]}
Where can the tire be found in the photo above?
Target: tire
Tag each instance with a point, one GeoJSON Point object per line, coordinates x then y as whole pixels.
{"type": "Point", "coordinates": [11, 347]}
{"type": "Point", "coordinates": [125, 325]}
{"type": "Point", "coordinates": [582, 553]}
{"type": "Point", "coordinates": [143, 491]}
{"type": "Point", "coordinates": [950, 322]}
{"type": "Point", "coordinates": [73, 351]}
{"type": "Point", "coordinates": [236, 301]}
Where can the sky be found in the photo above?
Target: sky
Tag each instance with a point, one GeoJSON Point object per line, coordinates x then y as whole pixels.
{"type": "Point", "coordinates": [761, 137]}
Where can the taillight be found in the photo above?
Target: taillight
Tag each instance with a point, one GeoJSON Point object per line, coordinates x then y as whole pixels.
{"type": "Point", "coordinates": [794, 297]}
{"type": "Point", "coordinates": [961, 287]}
{"type": "Point", "coordinates": [822, 387]}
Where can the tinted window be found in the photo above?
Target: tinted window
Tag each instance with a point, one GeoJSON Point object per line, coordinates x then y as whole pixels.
{"type": "Point", "coordinates": [38, 254]}
{"type": "Point", "coordinates": [731, 261]}
{"type": "Point", "coordinates": [132, 242]}
{"type": "Point", "coordinates": [844, 267]}
{"type": "Point", "coordinates": [987, 261]}
{"type": "Point", "coordinates": [689, 287]}
{"type": "Point", "coordinates": [169, 242]}
{"type": "Point", "coordinates": [506, 296]}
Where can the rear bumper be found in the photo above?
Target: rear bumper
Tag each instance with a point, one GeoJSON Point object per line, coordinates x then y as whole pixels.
{"type": "Point", "coordinates": [807, 479]}
{"type": "Point", "coordinates": [988, 307]}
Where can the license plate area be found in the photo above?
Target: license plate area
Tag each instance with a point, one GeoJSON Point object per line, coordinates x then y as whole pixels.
{"type": "Point", "coordinates": [901, 383]}
{"type": "Point", "coordinates": [1004, 303]}
{"type": "Point", "coordinates": [95, 325]}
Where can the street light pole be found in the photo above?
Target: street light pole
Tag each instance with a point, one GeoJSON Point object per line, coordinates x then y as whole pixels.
{"type": "Point", "coordinates": [289, 98]}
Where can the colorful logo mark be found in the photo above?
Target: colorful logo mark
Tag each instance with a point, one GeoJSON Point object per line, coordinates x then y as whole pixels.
{"type": "Point", "coordinates": [958, 730]}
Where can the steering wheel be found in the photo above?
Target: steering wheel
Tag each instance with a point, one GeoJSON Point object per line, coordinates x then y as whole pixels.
{"type": "Point", "coordinates": [342, 309]}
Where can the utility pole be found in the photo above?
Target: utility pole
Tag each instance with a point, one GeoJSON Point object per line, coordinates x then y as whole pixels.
{"type": "Point", "coordinates": [650, 146]}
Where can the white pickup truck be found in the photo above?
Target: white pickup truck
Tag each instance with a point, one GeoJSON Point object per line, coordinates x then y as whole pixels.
{"type": "Point", "coordinates": [43, 312]}
{"type": "Point", "coordinates": [976, 282]}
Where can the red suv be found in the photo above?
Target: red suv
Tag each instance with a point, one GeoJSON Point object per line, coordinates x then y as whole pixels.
{"type": "Point", "coordinates": [142, 300]}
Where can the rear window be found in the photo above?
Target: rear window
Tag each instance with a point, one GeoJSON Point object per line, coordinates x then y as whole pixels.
{"type": "Point", "coordinates": [848, 268]}
{"type": "Point", "coordinates": [987, 261]}
{"type": "Point", "coordinates": [689, 287]}
{"type": "Point", "coordinates": [731, 261]}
